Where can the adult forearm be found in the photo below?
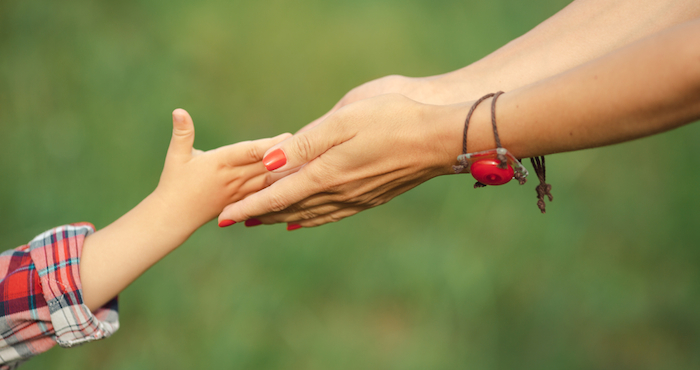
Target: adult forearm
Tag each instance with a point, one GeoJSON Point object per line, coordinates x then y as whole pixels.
{"type": "Point", "coordinates": [648, 87]}
{"type": "Point", "coordinates": [583, 31]}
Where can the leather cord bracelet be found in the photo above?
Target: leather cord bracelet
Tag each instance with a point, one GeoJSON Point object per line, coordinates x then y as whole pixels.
{"type": "Point", "coordinates": [498, 166]}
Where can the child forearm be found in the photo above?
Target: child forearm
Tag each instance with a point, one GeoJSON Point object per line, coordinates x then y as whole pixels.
{"type": "Point", "coordinates": [115, 256]}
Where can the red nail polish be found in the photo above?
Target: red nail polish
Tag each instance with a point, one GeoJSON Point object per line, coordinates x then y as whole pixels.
{"type": "Point", "coordinates": [291, 227]}
{"type": "Point", "coordinates": [252, 222]}
{"type": "Point", "coordinates": [225, 223]}
{"type": "Point", "coordinates": [275, 160]}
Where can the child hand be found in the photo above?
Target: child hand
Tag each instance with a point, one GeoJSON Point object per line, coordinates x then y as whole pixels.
{"type": "Point", "coordinates": [195, 186]}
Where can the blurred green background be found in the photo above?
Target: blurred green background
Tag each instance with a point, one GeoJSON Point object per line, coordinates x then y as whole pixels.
{"type": "Point", "coordinates": [443, 277]}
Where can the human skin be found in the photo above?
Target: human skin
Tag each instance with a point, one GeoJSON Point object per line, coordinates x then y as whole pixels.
{"type": "Point", "coordinates": [193, 188]}
{"type": "Point", "coordinates": [396, 143]}
{"type": "Point", "coordinates": [582, 31]}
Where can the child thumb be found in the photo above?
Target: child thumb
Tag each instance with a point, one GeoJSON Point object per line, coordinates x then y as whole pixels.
{"type": "Point", "coordinates": [183, 134]}
{"type": "Point", "coordinates": [301, 148]}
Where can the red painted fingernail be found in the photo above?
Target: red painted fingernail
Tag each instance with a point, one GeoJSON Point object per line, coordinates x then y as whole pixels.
{"type": "Point", "coordinates": [252, 222]}
{"type": "Point", "coordinates": [275, 160]}
{"type": "Point", "coordinates": [291, 227]}
{"type": "Point", "coordinates": [225, 223]}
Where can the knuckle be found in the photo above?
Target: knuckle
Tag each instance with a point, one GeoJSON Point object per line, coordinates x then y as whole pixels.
{"type": "Point", "coordinates": [245, 214]}
{"type": "Point", "coordinates": [277, 203]}
{"type": "Point", "coordinates": [356, 196]}
{"type": "Point", "coordinates": [360, 199]}
{"type": "Point", "coordinates": [233, 186]}
{"type": "Point", "coordinates": [337, 196]}
{"type": "Point", "coordinates": [337, 191]}
{"type": "Point", "coordinates": [334, 217]}
{"type": "Point", "coordinates": [253, 153]}
{"type": "Point", "coordinates": [306, 214]}
{"type": "Point", "coordinates": [365, 200]}
{"type": "Point", "coordinates": [267, 180]}
{"type": "Point", "coordinates": [347, 197]}
{"type": "Point", "coordinates": [324, 176]}
{"type": "Point", "coordinates": [340, 192]}
{"type": "Point", "coordinates": [374, 202]}
{"type": "Point", "coordinates": [303, 146]}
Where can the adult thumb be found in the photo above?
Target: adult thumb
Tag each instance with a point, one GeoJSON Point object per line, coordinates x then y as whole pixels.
{"type": "Point", "coordinates": [304, 146]}
{"type": "Point", "coordinates": [183, 134]}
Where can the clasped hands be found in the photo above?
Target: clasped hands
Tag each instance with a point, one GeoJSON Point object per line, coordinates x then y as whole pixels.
{"type": "Point", "coordinates": [376, 143]}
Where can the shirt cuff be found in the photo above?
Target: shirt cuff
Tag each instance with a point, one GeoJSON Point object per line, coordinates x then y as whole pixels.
{"type": "Point", "coordinates": [56, 256]}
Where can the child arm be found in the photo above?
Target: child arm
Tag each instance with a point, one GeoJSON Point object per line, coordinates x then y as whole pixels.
{"type": "Point", "coordinates": [62, 286]}
{"type": "Point", "coordinates": [194, 187]}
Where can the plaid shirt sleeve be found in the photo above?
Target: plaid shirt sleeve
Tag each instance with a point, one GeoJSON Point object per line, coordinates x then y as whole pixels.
{"type": "Point", "coordinates": [41, 301]}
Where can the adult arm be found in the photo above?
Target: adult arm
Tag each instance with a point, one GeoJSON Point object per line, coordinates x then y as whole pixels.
{"type": "Point", "coordinates": [370, 151]}
{"type": "Point", "coordinates": [582, 31]}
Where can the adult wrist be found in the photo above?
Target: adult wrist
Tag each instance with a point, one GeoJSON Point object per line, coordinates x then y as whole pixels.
{"type": "Point", "coordinates": [449, 130]}
{"type": "Point", "coordinates": [444, 127]}
{"type": "Point", "coordinates": [465, 84]}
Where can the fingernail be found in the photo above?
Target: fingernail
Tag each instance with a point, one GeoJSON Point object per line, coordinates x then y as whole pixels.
{"type": "Point", "coordinates": [225, 223]}
{"type": "Point", "coordinates": [291, 227]}
{"type": "Point", "coordinates": [275, 160]}
{"type": "Point", "coordinates": [252, 222]}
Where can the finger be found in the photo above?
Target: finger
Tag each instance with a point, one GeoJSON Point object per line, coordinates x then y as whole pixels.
{"type": "Point", "coordinates": [275, 176]}
{"type": "Point", "coordinates": [275, 198]}
{"type": "Point", "coordinates": [305, 146]}
{"type": "Point", "coordinates": [327, 218]}
{"type": "Point", "coordinates": [250, 186]}
{"type": "Point", "coordinates": [247, 152]}
{"type": "Point", "coordinates": [245, 172]}
{"type": "Point", "coordinates": [183, 135]}
{"type": "Point", "coordinates": [319, 205]}
{"type": "Point", "coordinates": [247, 179]}
{"type": "Point", "coordinates": [301, 213]}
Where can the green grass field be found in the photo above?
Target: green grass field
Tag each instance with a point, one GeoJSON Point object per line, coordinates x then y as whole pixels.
{"type": "Point", "coordinates": [442, 277]}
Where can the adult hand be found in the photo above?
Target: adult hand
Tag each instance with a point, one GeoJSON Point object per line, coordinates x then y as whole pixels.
{"type": "Point", "coordinates": [360, 156]}
{"type": "Point", "coordinates": [523, 61]}
{"type": "Point", "coordinates": [448, 88]}
{"type": "Point", "coordinates": [368, 152]}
